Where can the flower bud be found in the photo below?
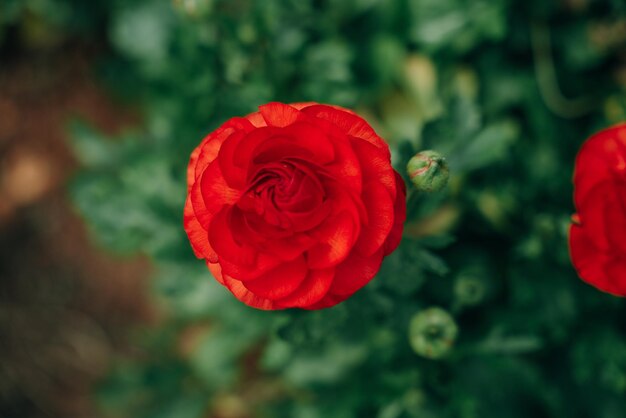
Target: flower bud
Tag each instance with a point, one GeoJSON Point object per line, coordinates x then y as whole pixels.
{"type": "Point", "coordinates": [432, 333]}
{"type": "Point", "coordinates": [428, 171]}
{"type": "Point", "coordinates": [474, 282]}
{"type": "Point", "coordinates": [469, 290]}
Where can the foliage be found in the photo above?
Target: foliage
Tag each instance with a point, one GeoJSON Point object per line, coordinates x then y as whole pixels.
{"type": "Point", "coordinates": [506, 90]}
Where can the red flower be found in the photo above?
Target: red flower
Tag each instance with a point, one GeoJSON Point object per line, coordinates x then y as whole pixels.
{"type": "Point", "coordinates": [598, 235]}
{"type": "Point", "coordinates": [294, 205]}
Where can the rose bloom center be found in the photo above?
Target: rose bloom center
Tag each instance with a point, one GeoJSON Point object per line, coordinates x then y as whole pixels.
{"type": "Point", "coordinates": [281, 193]}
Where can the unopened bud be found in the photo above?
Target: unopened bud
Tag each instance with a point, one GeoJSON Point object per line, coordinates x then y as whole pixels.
{"type": "Point", "coordinates": [432, 333]}
{"type": "Point", "coordinates": [469, 290]}
{"type": "Point", "coordinates": [428, 171]}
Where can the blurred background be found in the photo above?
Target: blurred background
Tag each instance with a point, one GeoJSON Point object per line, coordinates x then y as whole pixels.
{"type": "Point", "coordinates": [104, 311]}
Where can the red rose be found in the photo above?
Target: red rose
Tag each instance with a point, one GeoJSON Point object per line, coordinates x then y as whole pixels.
{"type": "Point", "coordinates": [598, 235]}
{"type": "Point", "coordinates": [294, 205]}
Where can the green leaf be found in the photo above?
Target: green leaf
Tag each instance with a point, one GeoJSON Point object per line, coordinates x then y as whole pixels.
{"type": "Point", "coordinates": [488, 146]}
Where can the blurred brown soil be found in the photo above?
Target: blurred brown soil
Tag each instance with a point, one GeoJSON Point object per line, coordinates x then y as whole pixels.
{"type": "Point", "coordinates": [65, 305]}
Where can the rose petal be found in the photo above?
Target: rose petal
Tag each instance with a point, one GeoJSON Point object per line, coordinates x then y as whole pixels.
{"type": "Point", "coordinates": [224, 243]}
{"type": "Point", "coordinates": [247, 297]}
{"type": "Point", "coordinates": [614, 217]}
{"type": "Point", "coordinates": [198, 236]}
{"type": "Point", "coordinates": [307, 221]}
{"type": "Point", "coordinates": [262, 264]}
{"type": "Point", "coordinates": [197, 202]}
{"type": "Point", "coordinates": [355, 272]}
{"type": "Point", "coordinates": [191, 168]}
{"type": "Point", "coordinates": [287, 247]}
{"type": "Point", "coordinates": [327, 301]}
{"type": "Point", "coordinates": [215, 192]}
{"type": "Point", "coordinates": [336, 237]}
{"type": "Point", "coordinates": [234, 174]}
{"type": "Point", "coordinates": [281, 281]}
{"type": "Point", "coordinates": [256, 119]}
{"type": "Point", "coordinates": [239, 290]}
{"type": "Point", "coordinates": [311, 291]}
{"type": "Point", "coordinates": [241, 156]}
{"type": "Point", "coordinates": [591, 263]}
{"type": "Point", "coordinates": [375, 165]}
{"type": "Point", "coordinates": [346, 168]}
{"type": "Point", "coordinates": [209, 148]}
{"type": "Point", "coordinates": [216, 271]}
{"type": "Point", "coordinates": [299, 140]}
{"type": "Point", "coordinates": [302, 105]}
{"type": "Point", "coordinates": [349, 123]}
{"type": "Point", "coordinates": [602, 157]}
{"type": "Point", "coordinates": [380, 218]}
{"type": "Point", "coordinates": [279, 114]}
{"type": "Point", "coordinates": [592, 211]}
{"type": "Point", "coordinates": [616, 274]}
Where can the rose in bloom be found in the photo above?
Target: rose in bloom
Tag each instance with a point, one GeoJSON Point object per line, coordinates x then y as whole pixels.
{"type": "Point", "coordinates": [598, 234]}
{"type": "Point", "coordinates": [294, 205]}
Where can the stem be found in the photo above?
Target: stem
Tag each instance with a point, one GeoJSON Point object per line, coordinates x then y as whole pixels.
{"type": "Point", "coordinates": [547, 79]}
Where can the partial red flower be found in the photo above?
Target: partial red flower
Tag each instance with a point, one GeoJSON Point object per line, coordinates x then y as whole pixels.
{"type": "Point", "coordinates": [598, 234]}
{"type": "Point", "coordinates": [294, 206]}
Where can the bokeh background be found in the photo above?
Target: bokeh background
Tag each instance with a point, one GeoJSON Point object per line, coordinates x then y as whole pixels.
{"type": "Point", "coordinates": [104, 312]}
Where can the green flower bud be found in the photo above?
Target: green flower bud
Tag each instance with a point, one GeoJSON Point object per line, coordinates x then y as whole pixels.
{"type": "Point", "coordinates": [428, 171]}
{"type": "Point", "coordinates": [469, 290]}
{"type": "Point", "coordinates": [432, 333]}
{"type": "Point", "coordinates": [474, 282]}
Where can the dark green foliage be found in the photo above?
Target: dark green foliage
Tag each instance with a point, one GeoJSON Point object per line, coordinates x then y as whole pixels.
{"type": "Point", "coordinates": [506, 90]}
